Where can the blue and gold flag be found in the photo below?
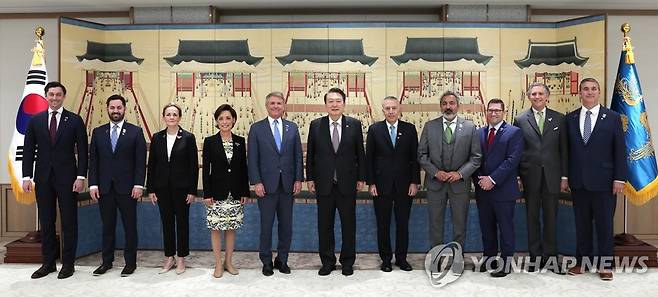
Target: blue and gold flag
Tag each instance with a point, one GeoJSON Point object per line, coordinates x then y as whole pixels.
{"type": "Point", "coordinates": [627, 100]}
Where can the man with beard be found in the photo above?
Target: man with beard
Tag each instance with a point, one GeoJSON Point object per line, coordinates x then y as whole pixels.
{"type": "Point", "coordinates": [449, 152]}
{"type": "Point", "coordinates": [116, 180]}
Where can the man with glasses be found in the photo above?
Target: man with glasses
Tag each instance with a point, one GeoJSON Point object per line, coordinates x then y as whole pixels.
{"type": "Point", "coordinates": [496, 187]}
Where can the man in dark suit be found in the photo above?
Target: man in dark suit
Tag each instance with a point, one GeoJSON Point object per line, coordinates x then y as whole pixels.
{"type": "Point", "coordinates": [449, 152]}
{"type": "Point", "coordinates": [393, 175]}
{"type": "Point", "coordinates": [335, 171]}
{"type": "Point", "coordinates": [53, 138]}
{"type": "Point", "coordinates": [496, 187]}
{"type": "Point", "coordinates": [597, 173]}
{"type": "Point", "coordinates": [275, 170]}
{"type": "Point", "coordinates": [543, 165]}
{"type": "Point", "coordinates": [117, 168]}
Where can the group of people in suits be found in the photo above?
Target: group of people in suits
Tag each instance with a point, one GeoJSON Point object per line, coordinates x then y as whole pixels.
{"type": "Point", "coordinates": [504, 162]}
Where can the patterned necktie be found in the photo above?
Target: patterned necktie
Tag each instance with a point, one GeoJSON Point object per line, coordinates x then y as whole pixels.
{"type": "Point", "coordinates": [114, 136]}
{"type": "Point", "coordinates": [335, 138]}
{"type": "Point", "coordinates": [277, 135]}
{"type": "Point", "coordinates": [53, 127]}
{"type": "Point", "coordinates": [447, 133]}
{"type": "Point", "coordinates": [393, 134]}
{"type": "Point", "coordinates": [490, 139]}
{"type": "Point", "coordinates": [540, 121]}
{"type": "Point", "coordinates": [587, 127]}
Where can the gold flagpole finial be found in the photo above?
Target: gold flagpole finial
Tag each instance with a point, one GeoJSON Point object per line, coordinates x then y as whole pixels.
{"type": "Point", "coordinates": [38, 50]}
{"type": "Point", "coordinates": [628, 48]}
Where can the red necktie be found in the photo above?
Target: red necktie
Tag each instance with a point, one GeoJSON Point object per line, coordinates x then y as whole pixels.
{"type": "Point", "coordinates": [53, 127]}
{"type": "Point", "coordinates": [490, 139]}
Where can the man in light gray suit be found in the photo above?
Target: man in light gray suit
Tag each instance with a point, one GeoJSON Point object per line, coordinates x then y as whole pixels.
{"type": "Point", "coordinates": [275, 170]}
{"type": "Point", "coordinates": [449, 152]}
{"type": "Point", "coordinates": [542, 167]}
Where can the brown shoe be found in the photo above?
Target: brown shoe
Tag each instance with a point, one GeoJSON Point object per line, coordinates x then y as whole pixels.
{"type": "Point", "coordinates": [605, 274]}
{"type": "Point", "coordinates": [576, 270]}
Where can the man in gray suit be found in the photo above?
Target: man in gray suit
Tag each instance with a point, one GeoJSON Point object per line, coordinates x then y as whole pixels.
{"type": "Point", "coordinates": [275, 170]}
{"type": "Point", "coordinates": [449, 152]}
{"type": "Point", "coordinates": [542, 167]}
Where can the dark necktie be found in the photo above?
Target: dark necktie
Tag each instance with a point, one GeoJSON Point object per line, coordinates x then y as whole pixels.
{"type": "Point", "coordinates": [587, 126]}
{"type": "Point", "coordinates": [490, 139]}
{"type": "Point", "coordinates": [53, 127]}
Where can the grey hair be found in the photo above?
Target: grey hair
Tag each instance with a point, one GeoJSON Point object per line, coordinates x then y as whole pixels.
{"type": "Point", "coordinates": [449, 93]}
{"type": "Point", "coordinates": [538, 84]}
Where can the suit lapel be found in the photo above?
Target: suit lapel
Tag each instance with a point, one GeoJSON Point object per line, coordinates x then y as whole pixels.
{"type": "Point", "coordinates": [459, 123]}
{"type": "Point", "coordinates": [575, 125]}
{"type": "Point", "coordinates": [533, 122]}
{"type": "Point", "coordinates": [599, 122]}
{"type": "Point", "coordinates": [270, 135]}
{"type": "Point", "coordinates": [324, 128]}
{"type": "Point", "coordinates": [384, 130]}
{"type": "Point", "coordinates": [177, 141]}
{"type": "Point", "coordinates": [63, 124]}
{"type": "Point", "coordinates": [122, 135]}
{"type": "Point", "coordinates": [222, 152]}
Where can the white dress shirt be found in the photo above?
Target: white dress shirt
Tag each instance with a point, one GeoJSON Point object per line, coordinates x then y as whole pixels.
{"type": "Point", "coordinates": [536, 113]}
{"type": "Point", "coordinates": [279, 126]}
{"type": "Point", "coordinates": [594, 116]}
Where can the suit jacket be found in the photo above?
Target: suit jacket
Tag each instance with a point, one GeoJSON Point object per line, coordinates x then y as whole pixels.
{"type": "Point", "coordinates": [181, 170]}
{"type": "Point", "coordinates": [221, 177]}
{"type": "Point", "coordinates": [71, 139]}
{"type": "Point", "coordinates": [546, 150]}
{"type": "Point", "coordinates": [466, 154]}
{"type": "Point", "coordinates": [322, 161]}
{"type": "Point", "coordinates": [389, 166]}
{"type": "Point", "coordinates": [501, 162]}
{"type": "Point", "coordinates": [270, 166]}
{"type": "Point", "coordinates": [125, 167]}
{"type": "Point", "coordinates": [595, 165]}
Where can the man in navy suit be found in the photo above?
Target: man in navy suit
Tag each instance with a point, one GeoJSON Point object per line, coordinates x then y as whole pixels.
{"type": "Point", "coordinates": [597, 173]}
{"type": "Point", "coordinates": [54, 137]}
{"type": "Point", "coordinates": [496, 187]}
{"type": "Point", "coordinates": [117, 168]}
{"type": "Point", "coordinates": [275, 170]}
{"type": "Point", "coordinates": [335, 171]}
{"type": "Point", "coordinates": [393, 174]}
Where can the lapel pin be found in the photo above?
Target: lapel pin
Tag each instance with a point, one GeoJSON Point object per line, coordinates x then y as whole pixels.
{"type": "Point", "coordinates": [179, 137]}
{"type": "Point", "coordinates": [555, 128]}
{"type": "Point", "coordinates": [550, 119]}
{"type": "Point", "coordinates": [399, 133]}
{"type": "Point", "coordinates": [66, 119]}
{"type": "Point", "coordinates": [286, 127]}
{"type": "Point", "coordinates": [347, 126]}
{"type": "Point", "coordinates": [603, 116]}
{"type": "Point", "coordinates": [123, 132]}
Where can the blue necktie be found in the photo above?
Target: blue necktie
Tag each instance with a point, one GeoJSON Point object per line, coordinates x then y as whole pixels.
{"type": "Point", "coordinates": [277, 135]}
{"type": "Point", "coordinates": [393, 135]}
{"type": "Point", "coordinates": [587, 127]}
{"type": "Point", "coordinates": [114, 136]}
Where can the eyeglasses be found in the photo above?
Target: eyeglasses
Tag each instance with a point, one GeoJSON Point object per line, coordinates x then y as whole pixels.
{"type": "Point", "coordinates": [495, 110]}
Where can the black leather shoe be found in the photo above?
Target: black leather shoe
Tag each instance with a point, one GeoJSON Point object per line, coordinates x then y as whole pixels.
{"type": "Point", "coordinates": [493, 266]}
{"type": "Point", "coordinates": [43, 271]}
{"type": "Point", "coordinates": [348, 270]}
{"type": "Point", "coordinates": [102, 269]}
{"type": "Point", "coordinates": [268, 270]}
{"type": "Point", "coordinates": [128, 270]}
{"type": "Point", "coordinates": [326, 270]}
{"type": "Point", "coordinates": [282, 267]}
{"type": "Point", "coordinates": [386, 267]}
{"type": "Point", "coordinates": [65, 272]}
{"type": "Point", "coordinates": [404, 265]}
{"type": "Point", "coordinates": [558, 270]}
{"type": "Point", "coordinates": [501, 273]}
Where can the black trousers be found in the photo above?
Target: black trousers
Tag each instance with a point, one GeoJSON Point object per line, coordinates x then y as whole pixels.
{"type": "Point", "coordinates": [346, 205]}
{"type": "Point", "coordinates": [175, 217]}
{"type": "Point", "coordinates": [599, 207]}
{"type": "Point", "coordinates": [398, 201]}
{"type": "Point", "coordinates": [279, 204]}
{"type": "Point", "coordinates": [49, 195]}
{"type": "Point", "coordinates": [541, 205]}
{"type": "Point", "coordinates": [127, 206]}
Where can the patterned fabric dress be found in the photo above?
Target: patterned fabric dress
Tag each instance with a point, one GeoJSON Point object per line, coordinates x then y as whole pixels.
{"type": "Point", "coordinates": [225, 214]}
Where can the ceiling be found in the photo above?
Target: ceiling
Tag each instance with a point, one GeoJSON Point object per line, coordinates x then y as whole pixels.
{"type": "Point", "coordinates": [27, 6]}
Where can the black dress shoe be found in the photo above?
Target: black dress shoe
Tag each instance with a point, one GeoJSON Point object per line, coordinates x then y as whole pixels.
{"type": "Point", "coordinates": [386, 267]}
{"type": "Point", "coordinates": [404, 265]}
{"type": "Point", "coordinates": [558, 270]}
{"type": "Point", "coordinates": [493, 266]}
{"type": "Point", "coordinates": [500, 273]}
{"type": "Point", "coordinates": [65, 272]}
{"type": "Point", "coordinates": [43, 271]}
{"type": "Point", "coordinates": [102, 269]}
{"type": "Point", "coordinates": [128, 270]}
{"type": "Point", "coordinates": [326, 270]}
{"type": "Point", "coordinates": [268, 270]}
{"type": "Point", "coordinates": [348, 270]}
{"type": "Point", "coordinates": [282, 267]}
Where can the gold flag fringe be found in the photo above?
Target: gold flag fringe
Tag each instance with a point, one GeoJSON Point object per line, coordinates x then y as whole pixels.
{"type": "Point", "coordinates": [17, 187]}
{"type": "Point", "coordinates": [643, 196]}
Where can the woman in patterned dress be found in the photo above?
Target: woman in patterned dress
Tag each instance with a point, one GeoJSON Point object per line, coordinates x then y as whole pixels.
{"type": "Point", "coordinates": [225, 186]}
